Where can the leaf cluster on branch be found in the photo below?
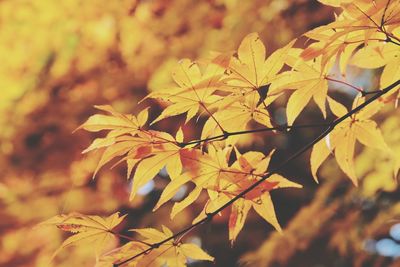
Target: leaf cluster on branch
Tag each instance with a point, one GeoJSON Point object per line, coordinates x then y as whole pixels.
{"type": "Point", "coordinates": [238, 92]}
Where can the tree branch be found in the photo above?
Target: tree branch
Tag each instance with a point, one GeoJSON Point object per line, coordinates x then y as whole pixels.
{"type": "Point", "coordinates": [266, 129]}
{"type": "Point", "coordinates": [209, 217]}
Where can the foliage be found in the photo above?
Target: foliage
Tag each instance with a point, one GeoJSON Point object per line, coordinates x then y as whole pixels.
{"type": "Point", "coordinates": [218, 106]}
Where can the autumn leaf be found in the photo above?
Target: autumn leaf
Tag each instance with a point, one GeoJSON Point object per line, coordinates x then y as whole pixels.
{"type": "Point", "coordinates": [165, 153]}
{"type": "Point", "coordinates": [145, 150]}
{"type": "Point", "coordinates": [250, 70]}
{"type": "Point", "coordinates": [249, 73]}
{"type": "Point", "coordinates": [362, 23]}
{"type": "Point", "coordinates": [330, 47]}
{"type": "Point", "coordinates": [342, 139]}
{"type": "Point", "coordinates": [236, 112]}
{"type": "Point", "coordinates": [170, 253]}
{"type": "Point", "coordinates": [121, 138]}
{"type": "Point", "coordinates": [91, 229]}
{"type": "Point", "coordinates": [205, 170]}
{"type": "Point", "coordinates": [245, 171]}
{"type": "Point", "coordinates": [195, 89]}
{"type": "Point", "coordinates": [237, 218]}
{"type": "Point", "coordinates": [151, 152]}
{"type": "Point", "coordinates": [116, 122]}
{"type": "Point", "coordinates": [380, 55]}
{"type": "Point", "coordinates": [307, 79]}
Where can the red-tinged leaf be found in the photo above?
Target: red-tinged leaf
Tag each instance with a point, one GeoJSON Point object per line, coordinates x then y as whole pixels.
{"type": "Point", "coordinates": [238, 217]}
{"type": "Point", "coordinates": [85, 228]}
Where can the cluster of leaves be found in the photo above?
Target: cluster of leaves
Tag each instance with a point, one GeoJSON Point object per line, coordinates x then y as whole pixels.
{"type": "Point", "coordinates": [236, 92]}
{"type": "Point", "coordinates": [97, 230]}
{"type": "Point", "coordinates": [83, 54]}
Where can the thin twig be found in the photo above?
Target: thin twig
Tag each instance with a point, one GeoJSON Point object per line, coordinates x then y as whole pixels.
{"type": "Point", "coordinates": [266, 129]}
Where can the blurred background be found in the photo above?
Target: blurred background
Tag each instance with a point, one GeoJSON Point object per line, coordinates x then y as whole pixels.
{"type": "Point", "coordinates": [59, 58]}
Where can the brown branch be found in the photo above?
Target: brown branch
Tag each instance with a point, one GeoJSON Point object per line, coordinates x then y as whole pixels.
{"type": "Point", "coordinates": [209, 217]}
{"type": "Point", "coordinates": [266, 129]}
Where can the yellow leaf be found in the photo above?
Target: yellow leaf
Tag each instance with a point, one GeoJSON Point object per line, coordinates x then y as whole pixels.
{"type": "Point", "coordinates": [171, 189]}
{"type": "Point", "coordinates": [170, 253]}
{"type": "Point", "coordinates": [86, 228]}
{"type": "Point", "coordinates": [319, 154]}
{"type": "Point", "coordinates": [250, 70]}
{"type": "Point", "coordinates": [195, 89]}
{"type": "Point", "coordinates": [149, 167]}
{"type": "Point", "coordinates": [143, 117]}
{"type": "Point", "coordinates": [368, 133]}
{"type": "Point", "coordinates": [116, 150]}
{"type": "Point", "coordinates": [179, 135]}
{"type": "Point", "coordinates": [390, 72]}
{"type": "Point", "coordinates": [179, 206]}
{"type": "Point", "coordinates": [99, 143]}
{"type": "Point", "coordinates": [266, 210]}
{"type": "Point", "coordinates": [116, 121]}
{"type": "Point", "coordinates": [194, 252]}
{"type": "Point", "coordinates": [307, 79]}
{"type": "Point", "coordinates": [344, 154]}
{"type": "Point", "coordinates": [151, 235]}
{"type": "Point", "coordinates": [282, 182]}
{"type": "Point", "coordinates": [237, 217]}
{"type": "Point", "coordinates": [305, 90]}
{"type": "Point", "coordinates": [337, 108]}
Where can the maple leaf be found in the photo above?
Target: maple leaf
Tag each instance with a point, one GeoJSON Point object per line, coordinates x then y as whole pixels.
{"type": "Point", "coordinates": [121, 136]}
{"type": "Point", "coordinates": [205, 170]}
{"type": "Point", "coordinates": [236, 111]}
{"type": "Point", "coordinates": [380, 55]}
{"type": "Point", "coordinates": [248, 74]}
{"type": "Point", "coordinates": [250, 70]}
{"type": "Point", "coordinates": [85, 229]}
{"type": "Point", "coordinates": [259, 198]}
{"type": "Point", "coordinates": [126, 251]}
{"type": "Point", "coordinates": [195, 89]}
{"type": "Point", "coordinates": [307, 79]}
{"type": "Point", "coordinates": [342, 139]}
{"type": "Point", "coordinates": [171, 253]}
{"type": "Point", "coordinates": [375, 14]}
{"type": "Point", "coordinates": [248, 169]}
{"type": "Point", "coordinates": [361, 22]}
{"type": "Point", "coordinates": [116, 122]}
{"type": "Point", "coordinates": [332, 45]}
{"type": "Point", "coordinates": [147, 150]}
{"type": "Point", "coordinates": [164, 153]}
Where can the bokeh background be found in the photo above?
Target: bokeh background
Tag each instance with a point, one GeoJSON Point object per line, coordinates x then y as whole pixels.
{"type": "Point", "coordinates": [59, 58]}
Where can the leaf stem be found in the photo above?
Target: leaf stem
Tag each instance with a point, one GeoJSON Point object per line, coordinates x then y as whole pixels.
{"type": "Point", "coordinates": [212, 116]}
{"type": "Point", "coordinates": [358, 89]}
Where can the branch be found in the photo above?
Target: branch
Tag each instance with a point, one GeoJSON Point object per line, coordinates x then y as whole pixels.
{"type": "Point", "coordinates": [225, 135]}
{"type": "Point", "coordinates": [209, 217]}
